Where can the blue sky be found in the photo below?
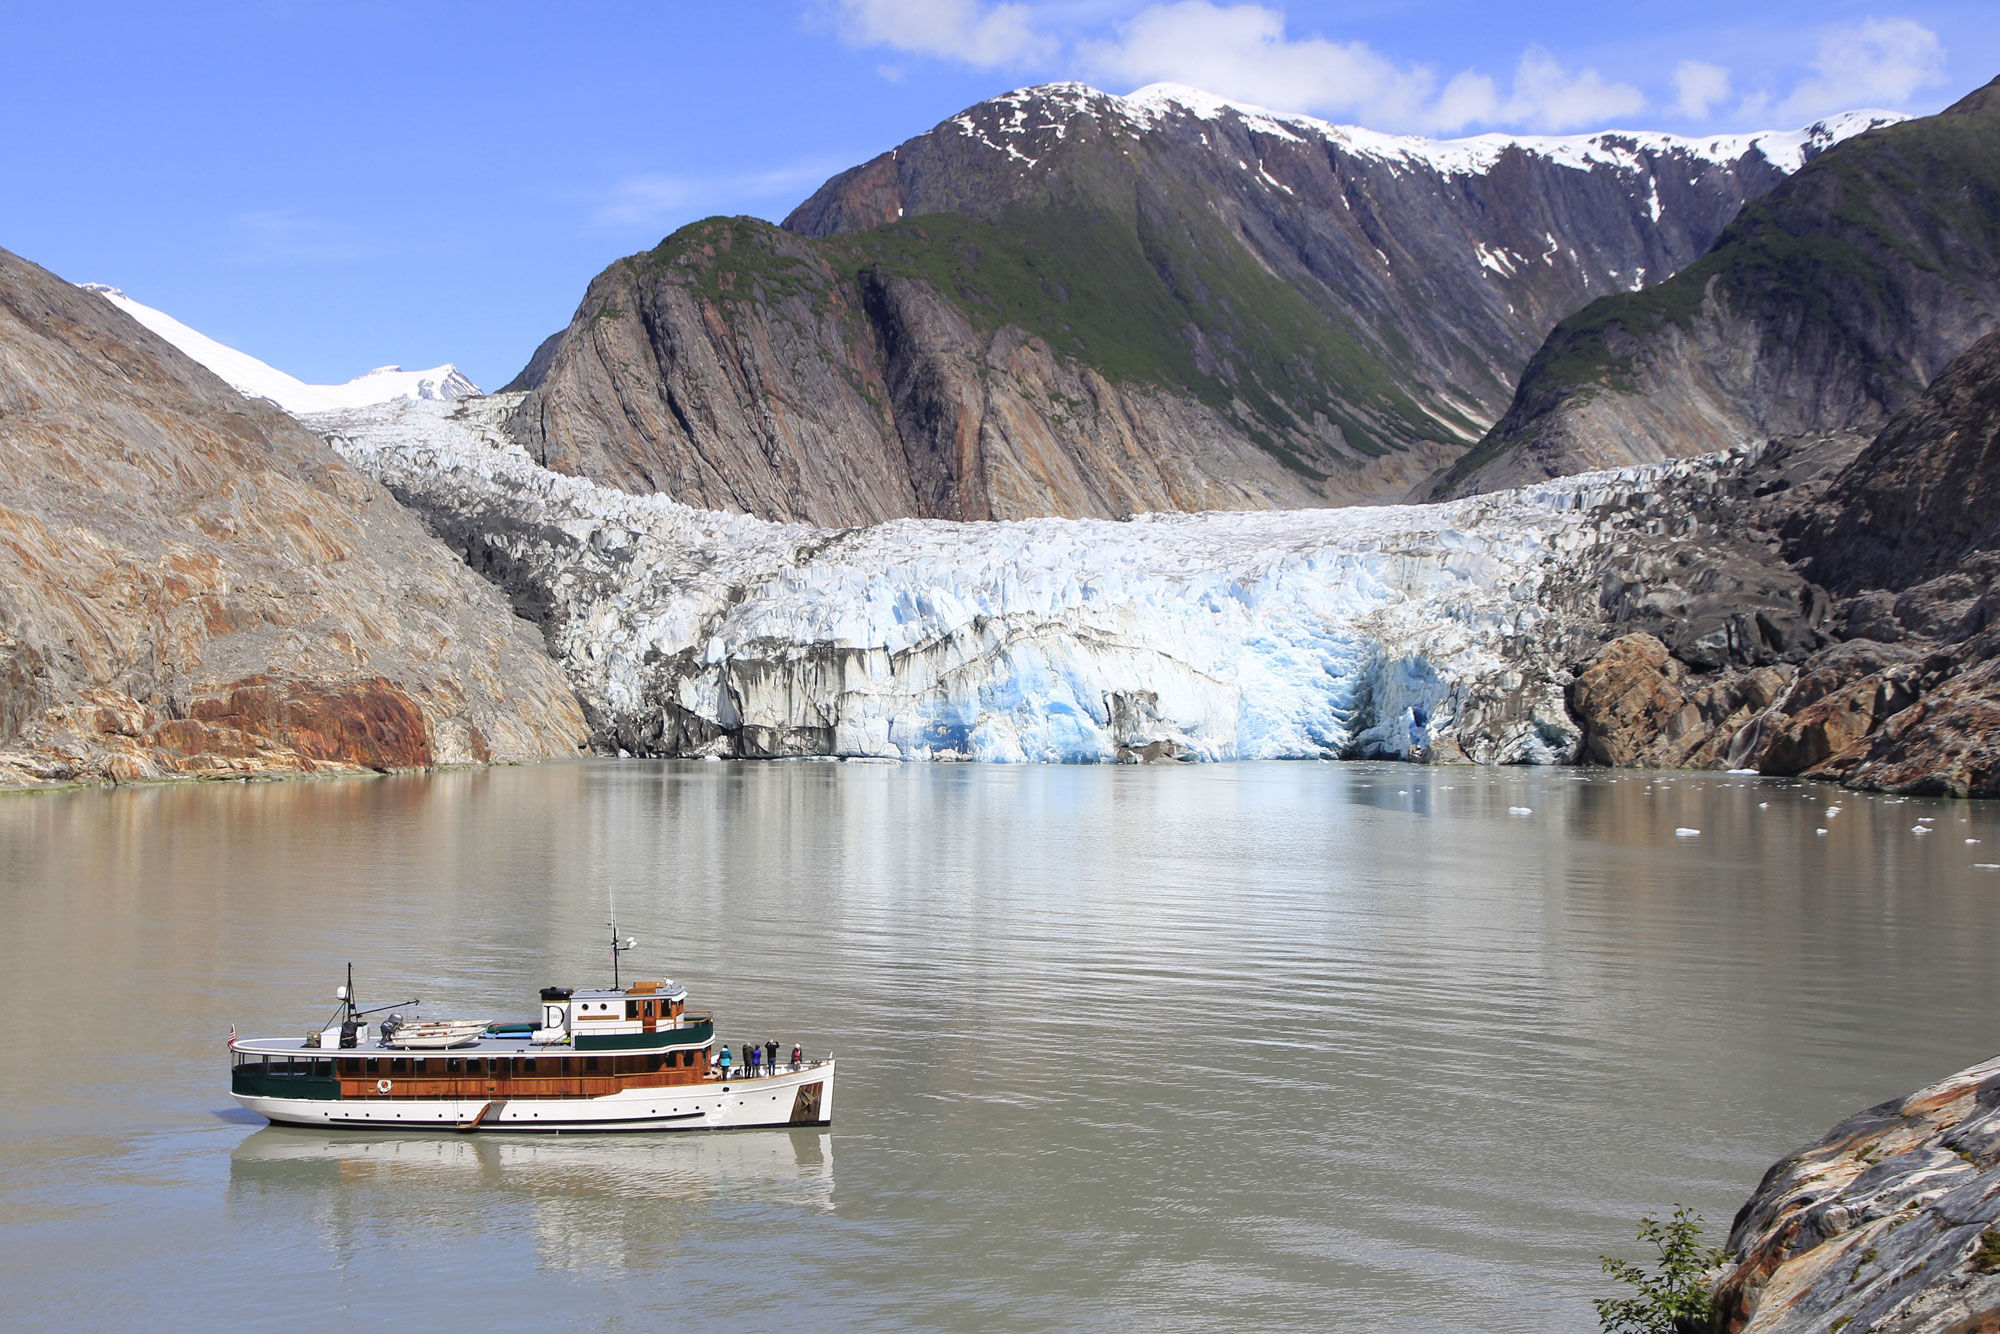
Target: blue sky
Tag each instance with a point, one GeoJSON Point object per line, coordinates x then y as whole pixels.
{"type": "Point", "coordinates": [337, 185]}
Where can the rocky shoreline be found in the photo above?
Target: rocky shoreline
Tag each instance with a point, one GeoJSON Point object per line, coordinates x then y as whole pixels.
{"type": "Point", "coordinates": [1888, 1224]}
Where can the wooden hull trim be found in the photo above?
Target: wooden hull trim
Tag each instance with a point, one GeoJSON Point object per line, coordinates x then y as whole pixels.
{"type": "Point", "coordinates": [804, 1098]}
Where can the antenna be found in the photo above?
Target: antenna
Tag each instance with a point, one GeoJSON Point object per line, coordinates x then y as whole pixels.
{"type": "Point", "coordinates": [619, 944]}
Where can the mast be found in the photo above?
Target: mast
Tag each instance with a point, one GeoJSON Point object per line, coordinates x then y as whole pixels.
{"type": "Point", "coordinates": [618, 946]}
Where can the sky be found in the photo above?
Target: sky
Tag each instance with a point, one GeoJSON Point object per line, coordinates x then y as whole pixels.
{"type": "Point", "coordinates": [333, 185]}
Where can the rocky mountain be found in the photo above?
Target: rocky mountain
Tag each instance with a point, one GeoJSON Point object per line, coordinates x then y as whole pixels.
{"type": "Point", "coordinates": [194, 585]}
{"type": "Point", "coordinates": [1888, 1223]}
{"type": "Point", "coordinates": [1827, 306]}
{"type": "Point", "coordinates": [1894, 680]}
{"type": "Point", "coordinates": [247, 375]}
{"type": "Point", "coordinates": [1061, 302]}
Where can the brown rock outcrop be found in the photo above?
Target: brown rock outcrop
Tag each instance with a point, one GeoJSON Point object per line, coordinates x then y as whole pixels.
{"type": "Point", "coordinates": [1906, 534]}
{"type": "Point", "coordinates": [1890, 1223]}
{"type": "Point", "coordinates": [191, 583]}
{"type": "Point", "coordinates": [1946, 744]}
{"type": "Point", "coordinates": [1640, 706]}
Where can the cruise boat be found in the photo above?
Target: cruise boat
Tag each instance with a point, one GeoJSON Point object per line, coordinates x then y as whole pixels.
{"type": "Point", "coordinates": [629, 1058]}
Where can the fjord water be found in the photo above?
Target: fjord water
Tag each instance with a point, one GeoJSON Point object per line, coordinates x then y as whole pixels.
{"type": "Point", "coordinates": [1227, 1046]}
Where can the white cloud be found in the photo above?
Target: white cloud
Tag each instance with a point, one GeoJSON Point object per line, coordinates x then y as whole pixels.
{"type": "Point", "coordinates": [1469, 99]}
{"type": "Point", "coordinates": [655, 200]}
{"type": "Point", "coordinates": [1242, 51]}
{"type": "Point", "coordinates": [983, 35]}
{"type": "Point", "coordinates": [1548, 97]}
{"type": "Point", "coordinates": [1878, 62]}
{"type": "Point", "coordinates": [1698, 86]}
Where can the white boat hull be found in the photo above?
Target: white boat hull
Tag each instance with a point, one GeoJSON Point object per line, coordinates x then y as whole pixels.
{"type": "Point", "coordinates": [734, 1104]}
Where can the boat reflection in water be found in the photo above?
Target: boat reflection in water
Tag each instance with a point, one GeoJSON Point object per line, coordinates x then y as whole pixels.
{"type": "Point", "coordinates": [591, 1205]}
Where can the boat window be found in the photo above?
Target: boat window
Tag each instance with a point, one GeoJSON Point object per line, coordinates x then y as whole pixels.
{"type": "Point", "coordinates": [399, 1065]}
{"type": "Point", "coordinates": [323, 1069]}
{"type": "Point", "coordinates": [527, 1065]}
{"type": "Point", "coordinates": [374, 1065]}
{"type": "Point", "coordinates": [349, 1066]}
{"type": "Point", "coordinates": [590, 1065]}
{"type": "Point", "coordinates": [454, 1065]}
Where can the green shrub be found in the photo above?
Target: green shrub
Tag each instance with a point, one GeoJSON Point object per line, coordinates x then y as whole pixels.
{"type": "Point", "coordinates": [1673, 1297]}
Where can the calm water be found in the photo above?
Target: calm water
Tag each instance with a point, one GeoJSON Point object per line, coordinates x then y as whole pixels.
{"type": "Point", "coordinates": [1232, 1046]}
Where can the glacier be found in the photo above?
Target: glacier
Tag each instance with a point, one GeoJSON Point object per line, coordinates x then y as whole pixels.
{"type": "Point", "coordinates": [1422, 632]}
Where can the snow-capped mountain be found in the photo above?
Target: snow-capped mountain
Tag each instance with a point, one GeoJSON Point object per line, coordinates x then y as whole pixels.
{"type": "Point", "coordinates": [1828, 305]}
{"type": "Point", "coordinates": [1064, 302]}
{"type": "Point", "coordinates": [259, 380]}
{"type": "Point", "coordinates": [1159, 103]}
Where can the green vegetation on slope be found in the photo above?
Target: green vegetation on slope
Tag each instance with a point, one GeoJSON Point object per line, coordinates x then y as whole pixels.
{"type": "Point", "coordinates": [1832, 251]}
{"type": "Point", "coordinates": [1922, 192]}
{"type": "Point", "coordinates": [1131, 300]}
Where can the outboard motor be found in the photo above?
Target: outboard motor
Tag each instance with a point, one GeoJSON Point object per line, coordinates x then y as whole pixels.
{"type": "Point", "coordinates": [389, 1027]}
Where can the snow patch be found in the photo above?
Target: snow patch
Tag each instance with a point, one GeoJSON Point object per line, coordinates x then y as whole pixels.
{"type": "Point", "coordinates": [1497, 259]}
{"type": "Point", "coordinates": [256, 379]}
{"type": "Point", "coordinates": [1046, 110]}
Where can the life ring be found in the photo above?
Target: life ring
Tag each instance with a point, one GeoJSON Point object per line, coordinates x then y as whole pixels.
{"type": "Point", "coordinates": [383, 1085]}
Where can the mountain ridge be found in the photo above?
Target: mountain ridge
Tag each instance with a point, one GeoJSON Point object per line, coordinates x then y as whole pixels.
{"type": "Point", "coordinates": [1061, 302]}
{"type": "Point", "coordinates": [1826, 307]}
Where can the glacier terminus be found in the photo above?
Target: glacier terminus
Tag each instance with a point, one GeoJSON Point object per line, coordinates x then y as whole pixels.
{"type": "Point", "coordinates": [1424, 632]}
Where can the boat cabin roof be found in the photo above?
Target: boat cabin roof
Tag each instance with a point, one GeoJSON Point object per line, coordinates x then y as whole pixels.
{"type": "Point", "coordinates": [487, 1044]}
{"type": "Point", "coordinates": [637, 991]}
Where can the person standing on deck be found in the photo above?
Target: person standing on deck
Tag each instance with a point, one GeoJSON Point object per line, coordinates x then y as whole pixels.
{"type": "Point", "coordinates": [771, 1055]}
{"type": "Point", "coordinates": [754, 1055]}
{"type": "Point", "coordinates": [798, 1056]}
{"type": "Point", "coordinates": [724, 1062]}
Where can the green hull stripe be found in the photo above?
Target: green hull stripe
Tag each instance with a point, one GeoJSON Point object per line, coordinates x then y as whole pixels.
{"type": "Point", "coordinates": [694, 1035]}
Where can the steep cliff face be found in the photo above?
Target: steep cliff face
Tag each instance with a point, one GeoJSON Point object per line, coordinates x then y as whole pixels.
{"type": "Point", "coordinates": [1066, 303]}
{"type": "Point", "coordinates": [1897, 685]}
{"type": "Point", "coordinates": [1890, 1223]}
{"type": "Point", "coordinates": [1827, 306]}
{"type": "Point", "coordinates": [192, 584]}
{"type": "Point", "coordinates": [1924, 497]}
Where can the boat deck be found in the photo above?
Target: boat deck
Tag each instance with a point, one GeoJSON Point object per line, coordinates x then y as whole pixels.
{"type": "Point", "coordinates": [505, 1044]}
